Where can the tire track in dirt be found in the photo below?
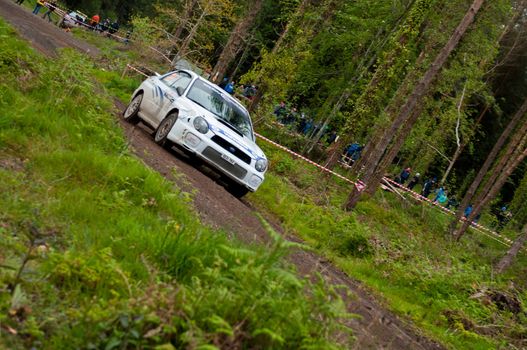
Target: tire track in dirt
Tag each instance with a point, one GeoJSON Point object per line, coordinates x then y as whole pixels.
{"type": "Point", "coordinates": [376, 328]}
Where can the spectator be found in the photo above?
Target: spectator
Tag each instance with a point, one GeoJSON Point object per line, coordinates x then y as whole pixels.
{"type": "Point", "coordinates": [224, 83]}
{"type": "Point", "coordinates": [452, 203]}
{"type": "Point", "coordinates": [405, 174]}
{"type": "Point", "coordinates": [353, 151]}
{"type": "Point", "coordinates": [51, 8]}
{"type": "Point", "coordinates": [38, 6]}
{"type": "Point", "coordinates": [114, 27]}
{"type": "Point", "coordinates": [104, 25]}
{"type": "Point", "coordinates": [308, 127]}
{"type": "Point", "coordinates": [19, 2]}
{"type": "Point", "coordinates": [94, 22]}
{"type": "Point", "coordinates": [468, 211]}
{"type": "Point", "coordinates": [127, 41]}
{"type": "Point", "coordinates": [427, 187]}
{"type": "Point", "coordinates": [280, 110]}
{"type": "Point", "coordinates": [249, 91]}
{"type": "Point", "coordinates": [229, 87]}
{"type": "Point", "coordinates": [504, 216]}
{"type": "Point", "coordinates": [441, 196]}
{"type": "Point", "coordinates": [292, 117]}
{"type": "Point", "coordinates": [414, 181]}
{"type": "Point", "coordinates": [332, 137]}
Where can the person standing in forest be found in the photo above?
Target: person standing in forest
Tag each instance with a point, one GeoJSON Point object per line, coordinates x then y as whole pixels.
{"type": "Point", "coordinates": [229, 87]}
{"type": "Point", "coordinates": [414, 181]}
{"type": "Point", "coordinates": [94, 22]}
{"type": "Point", "coordinates": [427, 187]}
{"type": "Point", "coordinates": [51, 8]}
{"type": "Point", "coordinates": [280, 111]}
{"type": "Point", "coordinates": [452, 203]}
{"type": "Point", "coordinates": [38, 6]}
{"type": "Point", "coordinates": [441, 196]}
{"type": "Point", "coordinates": [468, 211]}
{"type": "Point", "coordinates": [19, 2]}
{"type": "Point", "coordinates": [405, 174]}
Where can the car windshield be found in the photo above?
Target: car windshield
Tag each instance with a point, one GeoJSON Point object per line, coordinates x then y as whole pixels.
{"type": "Point", "coordinates": [77, 16]}
{"type": "Point", "coordinates": [217, 103]}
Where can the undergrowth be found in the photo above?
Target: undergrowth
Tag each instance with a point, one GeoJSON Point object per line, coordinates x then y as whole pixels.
{"type": "Point", "coordinates": [401, 250]}
{"type": "Point", "coordinates": [99, 252]}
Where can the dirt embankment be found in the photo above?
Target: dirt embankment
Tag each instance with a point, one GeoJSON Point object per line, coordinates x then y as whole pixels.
{"type": "Point", "coordinates": [376, 328]}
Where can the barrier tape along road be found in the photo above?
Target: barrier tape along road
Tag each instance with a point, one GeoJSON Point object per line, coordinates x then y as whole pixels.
{"type": "Point", "coordinates": [361, 186]}
{"type": "Point", "coordinates": [62, 13]}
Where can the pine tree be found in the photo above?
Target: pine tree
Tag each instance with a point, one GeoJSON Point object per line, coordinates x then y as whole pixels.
{"type": "Point", "coordinates": [406, 116]}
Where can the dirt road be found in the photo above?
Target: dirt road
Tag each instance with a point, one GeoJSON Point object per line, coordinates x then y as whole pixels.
{"type": "Point", "coordinates": [376, 328]}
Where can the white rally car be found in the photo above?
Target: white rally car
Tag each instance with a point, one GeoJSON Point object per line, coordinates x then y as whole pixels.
{"type": "Point", "coordinates": [187, 110]}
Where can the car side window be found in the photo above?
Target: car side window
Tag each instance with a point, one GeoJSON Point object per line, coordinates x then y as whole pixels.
{"type": "Point", "coordinates": [177, 80]}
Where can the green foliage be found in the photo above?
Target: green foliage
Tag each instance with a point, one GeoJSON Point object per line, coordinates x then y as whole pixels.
{"type": "Point", "coordinates": [97, 251]}
{"type": "Point", "coordinates": [401, 251]}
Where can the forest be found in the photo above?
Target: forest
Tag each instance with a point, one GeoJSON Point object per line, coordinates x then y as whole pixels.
{"type": "Point", "coordinates": [429, 94]}
{"type": "Point", "coordinates": [435, 86]}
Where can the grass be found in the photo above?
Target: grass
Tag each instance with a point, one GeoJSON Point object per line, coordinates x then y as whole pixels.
{"type": "Point", "coordinates": [402, 252]}
{"type": "Point", "coordinates": [399, 250]}
{"type": "Point", "coordinates": [99, 252]}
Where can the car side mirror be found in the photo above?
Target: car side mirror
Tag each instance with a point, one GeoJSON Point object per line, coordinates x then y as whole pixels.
{"type": "Point", "coordinates": [180, 90]}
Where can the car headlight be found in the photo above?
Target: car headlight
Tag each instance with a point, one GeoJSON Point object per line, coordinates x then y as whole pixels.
{"type": "Point", "coordinates": [201, 125]}
{"type": "Point", "coordinates": [261, 165]}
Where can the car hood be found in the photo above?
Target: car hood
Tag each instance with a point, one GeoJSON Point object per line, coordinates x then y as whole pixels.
{"type": "Point", "coordinates": [242, 142]}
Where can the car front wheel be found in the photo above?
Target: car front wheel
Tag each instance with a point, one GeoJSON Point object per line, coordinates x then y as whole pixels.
{"type": "Point", "coordinates": [162, 131]}
{"type": "Point", "coordinates": [131, 112]}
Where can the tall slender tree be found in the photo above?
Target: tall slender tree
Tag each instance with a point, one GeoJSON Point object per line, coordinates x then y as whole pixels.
{"type": "Point", "coordinates": [489, 161]}
{"type": "Point", "coordinates": [236, 41]}
{"type": "Point", "coordinates": [507, 260]}
{"type": "Point", "coordinates": [404, 114]}
{"type": "Point", "coordinates": [514, 154]}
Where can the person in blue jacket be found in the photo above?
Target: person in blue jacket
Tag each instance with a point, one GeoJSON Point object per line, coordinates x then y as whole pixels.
{"type": "Point", "coordinates": [405, 174]}
{"type": "Point", "coordinates": [468, 211]}
{"type": "Point", "coordinates": [229, 87]}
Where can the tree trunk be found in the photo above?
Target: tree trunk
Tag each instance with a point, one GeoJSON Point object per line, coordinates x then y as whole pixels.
{"type": "Point", "coordinates": [461, 147]}
{"type": "Point", "coordinates": [277, 47]}
{"type": "Point", "coordinates": [406, 111]}
{"type": "Point", "coordinates": [236, 41]}
{"type": "Point", "coordinates": [242, 58]}
{"type": "Point", "coordinates": [469, 195]}
{"type": "Point", "coordinates": [513, 251]}
{"type": "Point", "coordinates": [186, 17]}
{"type": "Point", "coordinates": [458, 139]}
{"type": "Point", "coordinates": [186, 43]}
{"type": "Point", "coordinates": [490, 190]}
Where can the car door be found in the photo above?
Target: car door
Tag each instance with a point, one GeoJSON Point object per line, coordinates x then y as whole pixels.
{"type": "Point", "coordinates": [169, 88]}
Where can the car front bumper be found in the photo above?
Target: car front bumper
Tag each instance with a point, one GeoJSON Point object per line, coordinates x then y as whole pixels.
{"type": "Point", "coordinates": [185, 135]}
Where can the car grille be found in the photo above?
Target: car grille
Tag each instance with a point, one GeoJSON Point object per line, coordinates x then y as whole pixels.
{"type": "Point", "coordinates": [215, 157]}
{"type": "Point", "coordinates": [232, 149]}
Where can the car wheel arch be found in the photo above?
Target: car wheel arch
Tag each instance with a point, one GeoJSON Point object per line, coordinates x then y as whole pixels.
{"type": "Point", "coordinates": [140, 92]}
{"type": "Point", "coordinates": [173, 110]}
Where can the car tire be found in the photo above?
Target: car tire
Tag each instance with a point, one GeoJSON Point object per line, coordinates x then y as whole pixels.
{"type": "Point", "coordinates": [237, 190]}
{"type": "Point", "coordinates": [130, 114]}
{"type": "Point", "coordinates": [162, 131]}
